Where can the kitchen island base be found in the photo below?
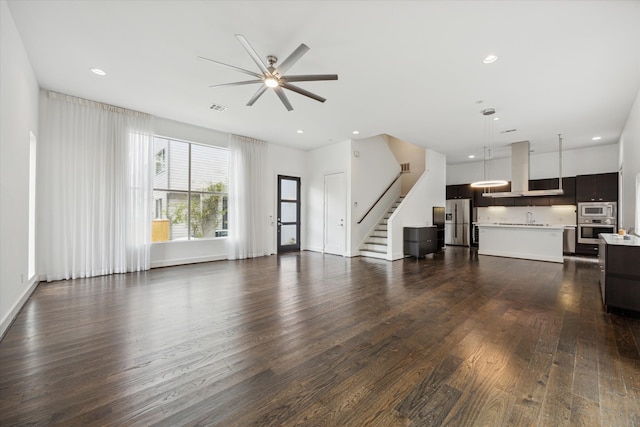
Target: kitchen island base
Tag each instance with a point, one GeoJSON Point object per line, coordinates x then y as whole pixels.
{"type": "Point", "coordinates": [540, 243]}
{"type": "Point", "coordinates": [620, 272]}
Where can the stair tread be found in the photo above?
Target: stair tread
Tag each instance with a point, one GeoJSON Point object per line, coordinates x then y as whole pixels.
{"type": "Point", "coordinates": [374, 251]}
{"type": "Point", "coordinates": [380, 232]}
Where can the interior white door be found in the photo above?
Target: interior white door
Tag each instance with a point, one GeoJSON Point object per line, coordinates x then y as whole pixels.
{"type": "Point", "coordinates": [335, 210]}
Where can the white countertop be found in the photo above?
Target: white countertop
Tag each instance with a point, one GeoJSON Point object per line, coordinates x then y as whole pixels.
{"type": "Point", "coordinates": [616, 239]}
{"type": "Point", "coordinates": [522, 225]}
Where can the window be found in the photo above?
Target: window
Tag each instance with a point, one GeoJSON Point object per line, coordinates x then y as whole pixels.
{"type": "Point", "coordinates": [190, 191]}
{"type": "Point", "coordinates": [161, 161]}
{"type": "Point", "coordinates": [159, 210]}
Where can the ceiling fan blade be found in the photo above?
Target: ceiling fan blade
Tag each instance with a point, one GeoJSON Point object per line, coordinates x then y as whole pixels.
{"type": "Point", "coordinates": [292, 59]}
{"type": "Point", "coordinates": [302, 91]}
{"type": "Point", "coordinates": [248, 82]}
{"type": "Point", "coordinates": [242, 70]}
{"type": "Point", "coordinates": [283, 97]}
{"type": "Point", "coordinates": [309, 77]}
{"type": "Point", "coordinates": [257, 95]}
{"type": "Point", "coordinates": [252, 53]}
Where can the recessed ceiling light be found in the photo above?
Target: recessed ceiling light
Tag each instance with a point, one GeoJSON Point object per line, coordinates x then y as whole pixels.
{"type": "Point", "coordinates": [489, 59]}
{"type": "Point", "coordinates": [596, 138]}
{"type": "Point", "coordinates": [98, 71]}
{"type": "Point", "coordinates": [496, 118]}
{"type": "Point", "coordinates": [300, 131]}
{"type": "Point", "coordinates": [471, 156]}
{"type": "Point", "coordinates": [355, 132]}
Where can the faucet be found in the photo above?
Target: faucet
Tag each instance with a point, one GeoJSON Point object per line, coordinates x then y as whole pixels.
{"type": "Point", "coordinates": [529, 216]}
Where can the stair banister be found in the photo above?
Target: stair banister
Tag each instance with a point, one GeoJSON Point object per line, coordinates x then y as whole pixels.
{"type": "Point", "coordinates": [380, 198]}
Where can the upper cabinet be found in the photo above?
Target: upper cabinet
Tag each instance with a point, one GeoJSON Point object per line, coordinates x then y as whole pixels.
{"type": "Point", "coordinates": [480, 201]}
{"type": "Point", "coordinates": [583, 188]}
{"type": "Point", "coordinates": [597, 188]}
{"type": "Point", "coordinates": [461, 191]}
{"type": "Point", "coordinates": [568, 198]}
{"type": "Point", "coordinates": [569, 187]}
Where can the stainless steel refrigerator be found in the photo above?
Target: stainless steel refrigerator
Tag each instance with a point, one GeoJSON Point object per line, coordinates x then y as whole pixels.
{"type": "Point", "coordinates": [457, 224]}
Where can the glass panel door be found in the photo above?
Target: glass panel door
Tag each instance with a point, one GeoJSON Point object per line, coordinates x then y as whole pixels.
{"type": "Point", "coordinates": [288, 213]}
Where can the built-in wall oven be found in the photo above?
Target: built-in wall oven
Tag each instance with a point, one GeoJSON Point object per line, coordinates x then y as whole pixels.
{"type": "Point", "coordinates": [595, 218]}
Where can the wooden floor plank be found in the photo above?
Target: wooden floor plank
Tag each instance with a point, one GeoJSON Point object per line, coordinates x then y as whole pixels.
{"type": "Point", "coordinates": [313, 339]}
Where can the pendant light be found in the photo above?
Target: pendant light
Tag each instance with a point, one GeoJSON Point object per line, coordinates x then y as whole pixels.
{"type": "Point", "coordinates": [486, 182]}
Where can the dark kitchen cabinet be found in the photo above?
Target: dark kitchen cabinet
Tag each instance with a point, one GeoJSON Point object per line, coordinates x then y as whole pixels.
{"type": "Point", "coordinates": [536, 184]}
{"type": "Point", "coordinates": [420, 241]}
{"type": "Point", "coordinates": [569, 196]}
{"type": "Point", "coordinates": [587, 249]}
{"type": "Point", "coordinates": [480, 201]}
{"type": "Point", "coordinates": [459, 191]}
{"type": "Point", "coordinates": [597, 188]}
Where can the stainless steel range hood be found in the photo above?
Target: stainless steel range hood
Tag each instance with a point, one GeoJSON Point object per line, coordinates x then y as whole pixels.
{"type": "Point", "coordinates": [520, 173]}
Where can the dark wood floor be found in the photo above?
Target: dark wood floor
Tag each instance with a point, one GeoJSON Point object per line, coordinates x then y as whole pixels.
{"type": "Point", "coordinates": [306, 339]}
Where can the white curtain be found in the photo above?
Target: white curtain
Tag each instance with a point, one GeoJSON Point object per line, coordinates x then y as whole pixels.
{"type": "Point", "coordinates": [246, 206]}
{"type": "Point", "coordinates": [96, 187]}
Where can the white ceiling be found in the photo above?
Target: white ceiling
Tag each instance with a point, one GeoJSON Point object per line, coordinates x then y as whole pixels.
{"type": "Point", "coordinates": [412, 70]}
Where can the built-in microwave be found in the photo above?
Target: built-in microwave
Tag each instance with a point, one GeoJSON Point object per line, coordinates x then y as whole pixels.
{"type": "Point", "coordinates": [597, 209]}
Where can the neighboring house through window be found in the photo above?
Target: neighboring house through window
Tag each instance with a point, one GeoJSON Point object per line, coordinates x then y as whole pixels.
{"type": "Point", "coordinates": [189, 190]}
{"type": "Point", "coordinates": [161, 161]}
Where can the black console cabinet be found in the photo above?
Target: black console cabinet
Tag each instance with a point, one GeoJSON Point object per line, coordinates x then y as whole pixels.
{"type": "Point", "coordinates": [420, 241]}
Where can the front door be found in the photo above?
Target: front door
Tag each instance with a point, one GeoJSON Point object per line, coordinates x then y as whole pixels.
{"type": "Point", "coordinates": [288, 213]}
{"type": "Point", "coordinates": [335, 208]}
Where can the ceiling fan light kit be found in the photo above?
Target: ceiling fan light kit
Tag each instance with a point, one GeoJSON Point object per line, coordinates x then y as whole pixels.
{"type": "Point", "coordinates": [271, 77]}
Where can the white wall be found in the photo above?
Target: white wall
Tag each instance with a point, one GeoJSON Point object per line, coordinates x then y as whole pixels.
{"type": "Point", "coordinates": [334, 158]}
{"type": "Point", "coordinates": [190, 133]}
{"type": "Point", "coordinates": [416, 209]}
{"type": "Point", "coordinates": [408, 153]}
{"type": "Point", "coordinates": [372, 171]}
{"type": "Point", "coordinates": [629, 161]}
{"type": "Point", "coordinates": [586, 161]}
{"type": "Point", "coordinates": [290, 162]}
{"type": "Point", "coordinates": [19, 117]}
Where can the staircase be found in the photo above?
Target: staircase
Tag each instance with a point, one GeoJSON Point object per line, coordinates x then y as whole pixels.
{"type": "Point", "coordinates": [375, 245]}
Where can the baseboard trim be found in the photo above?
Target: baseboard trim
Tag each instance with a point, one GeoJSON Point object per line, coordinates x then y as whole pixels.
{"type": "Point", "coordinates": [184, 261]}
{"type": "Point", "coordinates": [15, 310]}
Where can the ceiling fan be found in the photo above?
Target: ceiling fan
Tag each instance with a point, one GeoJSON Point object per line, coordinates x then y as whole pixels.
{"type": "Point", "coordinates": [274, 77]}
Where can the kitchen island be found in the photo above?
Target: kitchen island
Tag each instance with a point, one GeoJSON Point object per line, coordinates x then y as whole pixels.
{"type": "Point", "coordinates": [541, 242]}
{"type": "Point", "coordinates": [620, 271]}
